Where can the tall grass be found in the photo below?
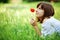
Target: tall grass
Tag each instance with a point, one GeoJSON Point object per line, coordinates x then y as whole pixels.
{"type": "Point", "coordinates": [15, 25]}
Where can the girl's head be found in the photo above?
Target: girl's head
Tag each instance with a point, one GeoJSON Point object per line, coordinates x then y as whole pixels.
{"type": "Point", "coordinates": [44, 10]}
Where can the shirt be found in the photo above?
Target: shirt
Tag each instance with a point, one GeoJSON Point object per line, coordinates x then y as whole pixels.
{"type": "Point", "coordinates": [50, 26]}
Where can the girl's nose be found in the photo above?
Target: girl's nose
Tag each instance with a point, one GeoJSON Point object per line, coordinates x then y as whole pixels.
{"type": "Point", "coordinates": [36, 11]}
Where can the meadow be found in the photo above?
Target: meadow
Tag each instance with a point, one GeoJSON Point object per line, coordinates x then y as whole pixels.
{"type": "Point", "coordinates": [15, 22]}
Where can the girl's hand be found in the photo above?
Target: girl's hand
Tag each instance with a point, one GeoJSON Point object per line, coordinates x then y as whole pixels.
{"type": "Point", "coordinates": [33, 22]}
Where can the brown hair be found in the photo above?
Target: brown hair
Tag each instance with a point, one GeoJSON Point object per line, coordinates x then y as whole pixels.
{"type": "Point", "coordinates": [48, 10]}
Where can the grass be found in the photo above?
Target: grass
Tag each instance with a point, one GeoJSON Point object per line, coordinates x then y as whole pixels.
{"type": "Point", "coordinates": [15, 25]}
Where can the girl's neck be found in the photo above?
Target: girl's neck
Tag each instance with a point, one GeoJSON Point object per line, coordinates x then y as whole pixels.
{"type": "Point", "coordinates": [40, 19]}
{"type": "Point", "coordinates": [43, 19]}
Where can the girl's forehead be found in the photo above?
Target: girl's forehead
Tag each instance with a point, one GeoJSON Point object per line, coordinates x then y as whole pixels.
{"type": "Point", "coordinates": [39, 6]}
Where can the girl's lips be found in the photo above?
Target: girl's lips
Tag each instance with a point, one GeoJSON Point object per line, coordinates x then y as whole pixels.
{"type": "Point", "coordinates": [37, 13]}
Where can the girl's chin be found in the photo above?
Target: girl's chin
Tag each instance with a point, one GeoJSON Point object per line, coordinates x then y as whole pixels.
{"type": "Point", "coordinates": [38, 17]}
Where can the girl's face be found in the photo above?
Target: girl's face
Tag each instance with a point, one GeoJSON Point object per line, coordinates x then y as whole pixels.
{"type": "Point", "coordinates": [39, 12]}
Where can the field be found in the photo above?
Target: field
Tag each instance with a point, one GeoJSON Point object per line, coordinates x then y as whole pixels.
{"type": "Point", "coordinates": [15, 25]}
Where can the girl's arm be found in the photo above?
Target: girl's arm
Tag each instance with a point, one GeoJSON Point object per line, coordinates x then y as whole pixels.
{"type": "Point", "coordinates": [37, 30]}
{"type": "Point", "coordinates": [34, 24]}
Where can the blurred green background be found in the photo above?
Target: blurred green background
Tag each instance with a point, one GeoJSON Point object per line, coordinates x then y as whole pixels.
{"type": "Point", "coordinates": [15, 18]}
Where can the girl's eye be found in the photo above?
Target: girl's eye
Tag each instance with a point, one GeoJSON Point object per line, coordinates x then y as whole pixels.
{"type": "Point", "coordinates": [39, 8]}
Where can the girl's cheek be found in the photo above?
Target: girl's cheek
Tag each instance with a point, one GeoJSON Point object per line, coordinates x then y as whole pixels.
{"type": "Point", "coordinates": [41, 13]}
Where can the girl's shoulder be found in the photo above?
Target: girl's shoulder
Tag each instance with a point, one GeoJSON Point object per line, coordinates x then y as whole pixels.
{"type": "Point", "coordinates": [51, 20]}
{"type": "Point", "coordinates": [54, 21]}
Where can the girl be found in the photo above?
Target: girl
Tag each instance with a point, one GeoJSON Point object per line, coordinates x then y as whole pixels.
{"type": "Point", "coordinates": [44, 14]}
